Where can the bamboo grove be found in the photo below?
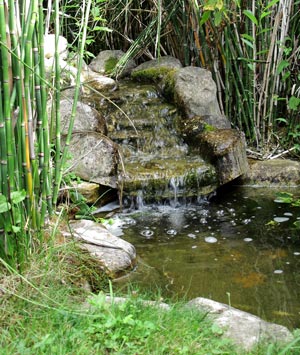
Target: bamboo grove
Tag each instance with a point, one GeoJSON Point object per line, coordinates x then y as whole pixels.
{"type": "Point", "coordinates": [251, 47]}
{"type": "Point", "coordinates": [30, 168]}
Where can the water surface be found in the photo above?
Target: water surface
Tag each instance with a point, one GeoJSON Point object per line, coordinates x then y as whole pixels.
{"type": "Point", "coordinates": [225, 249]}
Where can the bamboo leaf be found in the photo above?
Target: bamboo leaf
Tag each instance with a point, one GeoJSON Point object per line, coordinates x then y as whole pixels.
{"type": "Point", "coordinates": [264, 14]}
{"type": "Point", "coordinates": [205, 17]}
{"type": "Point", "coordinates": [248, 43]}
{"type": "Point", "coordinates": [272, 3]}
{"type": "Point", "coordinates": [246, 36]}
{"type": "Point", "coordinates": [282, 65]}
{"type": "Point", "coordinates": [251, 16]}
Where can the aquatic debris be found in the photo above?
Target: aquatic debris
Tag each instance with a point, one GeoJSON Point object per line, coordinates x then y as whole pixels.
{"type": "Point", "coordinates": [278, 271]}
{"type": "Point", "coordinates": [211, 239]}
{"type": "Point", "coordinates": [281, 219]}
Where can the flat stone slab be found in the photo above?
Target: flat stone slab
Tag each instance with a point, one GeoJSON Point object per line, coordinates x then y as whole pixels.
{"type": "Point", "coordinates": [244, 329]}
{"type": "Point", "coordinates": [272, 173]}
{"type": "Point", "coordinates": [115, 255]}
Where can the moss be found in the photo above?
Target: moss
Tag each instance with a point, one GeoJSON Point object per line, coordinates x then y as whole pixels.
{"type": "Point", "coordinates": [153, 75]}
{"type": "Point", "coordinates": [110, 65]}
{"type": "Point", "coordinates": [208, 128]}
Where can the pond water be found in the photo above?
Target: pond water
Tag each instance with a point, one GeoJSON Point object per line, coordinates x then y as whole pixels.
{"type": "Point", "coordinates": [223, 249]}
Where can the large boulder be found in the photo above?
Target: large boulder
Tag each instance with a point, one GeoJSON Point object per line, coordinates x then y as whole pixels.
{"type": "Point", "coordinates": [244, 329]}
{"type": "Point", "coordinates": [94, 158]}
{"type": "Point", "coordinates": [274, 172]}
{"type": "Point", "coordinates": [115, 255]}
{"type": "Point", "coordinates": [106, 61]}
{"type": "Point", "coordinates": [195, 93]}
{"type": "Point", "coordinates": [86, 118]}
{"type": "Point", "coordinates": [226, 150]}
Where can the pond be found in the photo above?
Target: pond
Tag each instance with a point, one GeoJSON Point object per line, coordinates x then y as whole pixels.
{"type": "Point", "coordinates": [225, 249]}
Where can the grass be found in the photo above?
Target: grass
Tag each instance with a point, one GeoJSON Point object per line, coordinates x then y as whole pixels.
{"type": "Point", "coordinates": [45, 312]}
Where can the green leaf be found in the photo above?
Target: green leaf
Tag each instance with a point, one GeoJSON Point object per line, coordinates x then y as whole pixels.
{"type": "Point", "coordinates": [272, 3]}
{"type": "Point", "coordinates": [251, 16]}
{"type": "Point", "coordinates": [248, 37]}
{"type": "Point", "coordinates": [294, 103]}
{"type": "Point", "coordinates": [281, 119]}
{"type": "Point", "coordinates": [205, 17]}
{"type": "Point", "coordinates": [218, 18]}
{"type": "Point", "coordinates": [248, 43]}
{"type": "Point", "coordinates": [18, 196]}
{"type": "Point", "coordinates": [282, 65]}
{"type": "Point", "coordinates": [264, 14]}
{"type": "Point", "coordinates": [16, 229]}
{"type": "Point", "coordinates": [4, 205]}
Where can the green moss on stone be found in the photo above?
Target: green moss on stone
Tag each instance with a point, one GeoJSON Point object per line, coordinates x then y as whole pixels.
{"type": "Point", "coordinates": [110, 65]}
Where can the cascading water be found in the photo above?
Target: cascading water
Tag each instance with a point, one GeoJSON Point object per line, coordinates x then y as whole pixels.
{"type": "Point", "coordinates": [156, 163]}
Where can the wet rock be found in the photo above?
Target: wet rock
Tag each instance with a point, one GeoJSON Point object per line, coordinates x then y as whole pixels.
{"type": "Point", "coordinates": [94, 158]}
{"type": "Point", "coordinates": [115, 255]}
{"type": "Point", "coordinates": [106, 61]}
{"type": "Point", "coordinates": [275, 172]}
{"type": "Point", "coordinates": [89, 190]}
{"type": "Point", "coordinates": [94, 81]}
{"type": "Point", "coordinates": [195, 93]}
{"type": "Point", "coordinates": [244, 329]}
{"type": "Point", "coordinates": [226, 149]}
{"type": "Point", "coordinates": [86, 118]}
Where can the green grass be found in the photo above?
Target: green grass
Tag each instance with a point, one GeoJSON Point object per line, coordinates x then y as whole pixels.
{"type": "Point", "coordinates": [49, 312]}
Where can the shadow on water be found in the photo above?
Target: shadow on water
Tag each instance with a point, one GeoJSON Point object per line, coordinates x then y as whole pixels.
{"type": "Point", "coordinates": [224, 249]}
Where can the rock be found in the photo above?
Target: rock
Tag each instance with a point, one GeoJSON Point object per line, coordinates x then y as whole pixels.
{"type": "Point", "coordinates": [154, 70]}
{"type": "Point", "coordinates": [276, 172]}
{"type": "Point", "coordinates": [226, 149]}
{"type": "Point", "coordinates": [115, 254]}
{"type": "Point", "coordinates": [89, 190]}
{"type": "Point", "coordinates": [195, 93]}
{"type": "Point", "coordinates": [49, 44]}
{"type": "Point", "coordinates": [86, 118]}
{"type": "Point", "coordinates": [106, 61]}
{"type": "Point", "coordinates": [244, 329]}
{"type": "Point", "coordinates": [94, 158]}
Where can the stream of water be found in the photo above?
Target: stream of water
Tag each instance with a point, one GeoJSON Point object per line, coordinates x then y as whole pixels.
{"type": "Point", "coordinates": [225, 249]}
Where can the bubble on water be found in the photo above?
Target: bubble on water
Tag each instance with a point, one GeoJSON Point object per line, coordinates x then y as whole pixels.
{"type": "Point", "coordinates": [231, 210]}
{"type": "Point", "coordinates": [278, 271]}
{"type": "Point", "coordinates": [233, 223]}
{"type": "Point", "coordinates": [220, 213]}
{"type": "Point", "coordinates": [288, 263]}
{"type": "Point", "coordinates": [296, 253]}
{"type": "Point", "coordinates": [203, 220]}
{"type": "Point", "coordinates": [209, 227]}
{"type": "Point", "coordinates": [246, 221]}
{"type": "Point", "coordinates": [197, 231]}
{"type": "Point", "coordinates": [148, 233]}
{"type": "Point", "coordinates": [186, 226]}
{"type": "Point", "coordinates": [191, 235]}
{"type": "Point", "coordinates": [194, 246]}
{"type": "Point", "coordinates": [172, 231]}
{"type": "Point", "coordinates": [289, 214]}
{"type": "Point", "coordinates": [258, 207]}
{"type": "Point", "coordinates": [248, 240]}
{"type": "Point", "coordinates": [129, 221]}
{"type": "Point", "coordinates": [281, 219]}
{"type": "Point", "coordinates": [211, 239]}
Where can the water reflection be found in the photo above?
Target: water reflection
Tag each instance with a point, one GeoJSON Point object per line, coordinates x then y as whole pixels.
{"type": "Point", "coordinates": [225, 247]}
